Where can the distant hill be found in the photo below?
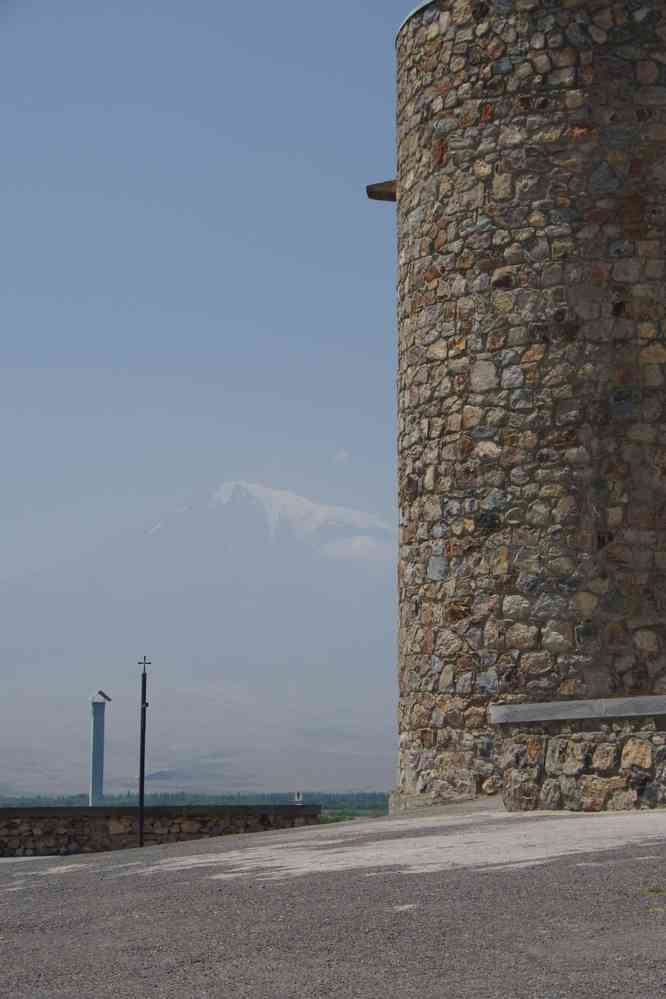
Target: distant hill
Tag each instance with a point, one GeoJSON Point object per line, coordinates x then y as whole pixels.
{"type": "Point", "coordinates": [342, 805]}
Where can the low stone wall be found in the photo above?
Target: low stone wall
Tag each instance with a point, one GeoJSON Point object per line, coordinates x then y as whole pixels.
{"type": "Point", "coordinates": [37, 832]}
{"type": "Point", "coordinates": [584, 765]}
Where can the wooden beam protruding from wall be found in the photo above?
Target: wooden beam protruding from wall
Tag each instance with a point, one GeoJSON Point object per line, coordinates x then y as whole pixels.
{"type": "Point", "coordinates": [387, 190]}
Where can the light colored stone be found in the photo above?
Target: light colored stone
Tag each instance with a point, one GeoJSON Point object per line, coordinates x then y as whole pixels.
{"type": "Point", "coordinates": [646, 642]}
{"type": "Point", "coordinates": [502, 186]}
{"type": "Point", "coordinates": [557, 637]}
{"type": "Point", "coordinates": [516, 608]}
{"type": "Point", "coordinates": [536, 663]}
{"type": "Point", "coordinates": [597, 790]}
{"type": "Point", "coordinates": [605, 759]}
{"type": "Point", "coordinates": [488, 450]}
{"type": "Point", "coordinates": [539, 514]}
{"type": "Point", "coordinates": [654, 354]}
{"type": "Point", "coordinates": [522, 636]}
{"type": "Point", "coordinates": [438, 568]}
{"type": "Point", "coordinates": [472, 416]}
{"type": "Point", "coordinates": [483, 376]}
{"type": "Point", "coordinates": [637, 753]}
{"type": "Point", "coordinates": [448, 643]}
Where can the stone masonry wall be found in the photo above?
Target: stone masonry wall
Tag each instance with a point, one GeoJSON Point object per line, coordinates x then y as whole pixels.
{"type": "Point", "coordinates": [532, 429]}
{"type": "Point", "coordinates": [35, 832]}
{"type": "Point", "coordinates": [584, 766]}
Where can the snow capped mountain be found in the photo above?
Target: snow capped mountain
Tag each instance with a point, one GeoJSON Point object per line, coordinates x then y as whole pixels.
{"type": "Point", "coordinates": [334, 532]}
{"type": "Point", "coordinates": [302, 515]}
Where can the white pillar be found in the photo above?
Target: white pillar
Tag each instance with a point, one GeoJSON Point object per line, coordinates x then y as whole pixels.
{"type": "Point", "coordinates": [97, 753]}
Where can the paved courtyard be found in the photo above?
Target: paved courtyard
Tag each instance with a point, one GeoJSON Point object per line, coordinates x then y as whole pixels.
{"type": "Point", "coordinates": [466, 902]}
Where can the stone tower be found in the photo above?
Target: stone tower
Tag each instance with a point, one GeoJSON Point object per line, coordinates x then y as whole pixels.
{"type": "Point", "coordinates": [531, 199]}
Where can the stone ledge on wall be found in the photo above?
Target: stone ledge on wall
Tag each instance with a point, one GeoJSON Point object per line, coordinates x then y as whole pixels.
{"type": "Point", "coordinates": [600, 708]}
{"type": "Point", "coordinates": [39, 832]}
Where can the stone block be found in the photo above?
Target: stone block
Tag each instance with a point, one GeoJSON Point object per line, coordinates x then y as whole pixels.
{"type": "Point", "coordinates": [653, 795]}
{"type": "Point", "coordinates": [521, 790]}
{"type": "Point", "coordinates": [522, 636]}
{"type": "Point", "coordinates": [605, 759]}
{"type": "Point", "coordinates": [557, 637]}
{"type": "Point", "coordinates": [556, 756]}
{"type": "Point", "coordinates": [550, 797]}
{"type": "Point", "coordinates": [511, 755]}
{"type": "Point", "coordinates": [622, 801]}
{"type": "Point", "coordinates": [491, 786]}
{"type": "Point", "coordinates": [572, 795]}
{"type": "Point", "coordinates": [637, 753]}
{"type": "Point", "coordinates": [595, 791]}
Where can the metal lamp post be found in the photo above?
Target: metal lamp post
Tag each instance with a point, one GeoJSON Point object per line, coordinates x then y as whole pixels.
{"type": "Point", "coordinates": [142, 745]}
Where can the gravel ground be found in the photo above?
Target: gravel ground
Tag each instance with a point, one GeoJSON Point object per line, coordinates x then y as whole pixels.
{"type": "Point", "coordinates": [466, 902]}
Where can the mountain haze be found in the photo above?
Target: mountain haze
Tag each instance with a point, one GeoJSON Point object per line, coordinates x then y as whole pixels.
{"type": "Point", "coordinates": [269, 620]}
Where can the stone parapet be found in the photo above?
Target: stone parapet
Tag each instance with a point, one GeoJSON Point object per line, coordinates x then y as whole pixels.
{"type": "Point", "coordinates": [584, 765]}
{"type": "Point", "coordinates": [38, 832]}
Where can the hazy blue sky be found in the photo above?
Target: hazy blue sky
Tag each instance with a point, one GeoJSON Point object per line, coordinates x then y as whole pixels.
{"type": "Point", "coordinates": [195, 291]}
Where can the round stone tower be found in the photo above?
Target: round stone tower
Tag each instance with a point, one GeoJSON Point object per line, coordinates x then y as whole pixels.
{"type": "Point", "coordinates": [532, 427]}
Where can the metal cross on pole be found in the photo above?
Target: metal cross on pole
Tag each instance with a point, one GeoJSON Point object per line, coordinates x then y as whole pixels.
{"type": "Point", "coordinates": [142, 750]}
